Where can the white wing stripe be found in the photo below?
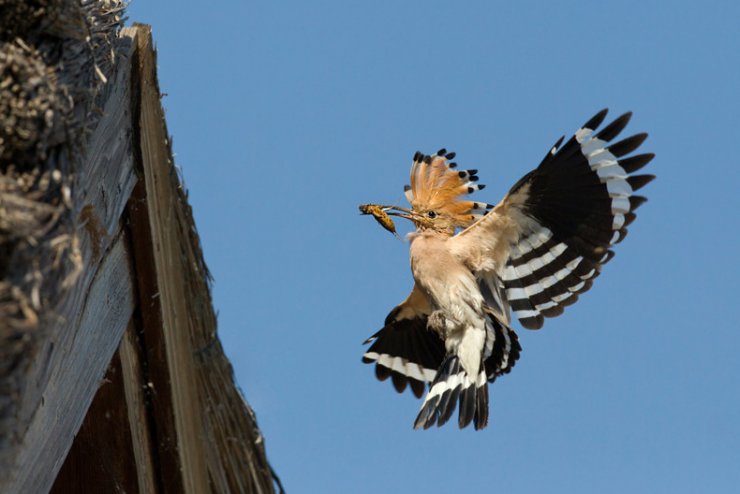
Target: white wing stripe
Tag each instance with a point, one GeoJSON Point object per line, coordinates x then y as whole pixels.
{"type": "Point", "coordinates": [562, 297]}
{"type": "Point", "coordinates": [521, 293]}
{"type": "Point", "coordinates": [618, 187]}
{"type": "Point", "coordinates": [533, 241]}
{"type": "Point", "coordinates": [577, 287]}
{"type": "Point", "coordinates": [516, 293]}
{"type": "Point", "coordinates": [618, 221]}
{"type": "Point", "coordinates": [512, 272]}
{"type": "Point", "coordinates": [401, 366]}
{"type": "Point", "coordinates": [450, 383]}
{"type": "Point", "coordinates": [606, 165]}
{"type": "Point", "coordinates": [507, 349]}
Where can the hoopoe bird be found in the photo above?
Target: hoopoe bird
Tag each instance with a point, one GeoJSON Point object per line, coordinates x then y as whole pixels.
{"type": "Point", "coordinates": [474, 263]}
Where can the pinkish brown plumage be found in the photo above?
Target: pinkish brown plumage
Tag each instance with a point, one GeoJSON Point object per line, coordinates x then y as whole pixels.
{"type": "Point", "coordinates": [473, 264]}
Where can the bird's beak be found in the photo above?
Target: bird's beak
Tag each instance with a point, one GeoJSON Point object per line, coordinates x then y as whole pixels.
{"type": "Point", "coordinates": [407, 213]}
{"type": "Point", "coordinates": [380, 210]}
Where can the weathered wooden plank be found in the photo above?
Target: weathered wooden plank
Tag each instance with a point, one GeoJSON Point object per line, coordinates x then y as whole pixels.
{"type": "Point", "coordinates": [134, 387]}
{"type": "Point", "coordinates": [161, 203]}
{"type": "Point", "coordinates": [64, 378]}
{"type": "Point", "coordinates": [88, 345]}
{"type": "Point", "coordinates": [102, 457]}
{"type": "Point", "coordinates": [112, 452]}
{"type": "Point", "coordinates": [227, 440]}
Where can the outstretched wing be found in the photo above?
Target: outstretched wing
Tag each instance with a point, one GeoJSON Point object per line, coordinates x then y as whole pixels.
{"type": "Point", "coordinates": [547, 240]}
{"type": "Point", "coordinates": [405, 350]}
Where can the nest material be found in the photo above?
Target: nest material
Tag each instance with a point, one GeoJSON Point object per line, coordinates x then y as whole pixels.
{"type": "Point", "coordinates": [31, 109]}
{"type": "Point", "coordinates": [61, 18]}
{"type": "Point", "coordinates": [55, 57]}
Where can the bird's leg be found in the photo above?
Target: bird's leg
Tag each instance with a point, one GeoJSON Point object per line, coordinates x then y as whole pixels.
{"type": "Point", "coordinates": [443, 323]}
{"type": "Point", "coordinates": [437, 322]}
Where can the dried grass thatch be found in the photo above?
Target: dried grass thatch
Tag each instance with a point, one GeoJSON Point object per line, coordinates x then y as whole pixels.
{"type": "Point", "coordinates": [55, 56]}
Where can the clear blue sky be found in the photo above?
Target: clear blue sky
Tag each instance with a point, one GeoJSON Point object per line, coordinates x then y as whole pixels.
{"type": "Point", "coordinates": [287, 115]}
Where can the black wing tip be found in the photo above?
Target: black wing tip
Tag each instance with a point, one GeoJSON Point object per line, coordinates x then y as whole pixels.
{"type": "Point", "coordinates": [623, 119]}
{"type": "Point", "coordinates": [399, 381]}
{"type": "Point", "coordinates": [614, 128]}
{"type": "Point", "coordinates": [535, 322]}
{"type": "Point", "coordinates": [637, 182]}
{"type": "Point", "coordinates": [373, 337]}
{"type": "Point", "coordinates": [594, 122]}
{"type": "Point", "coordinates": [636, 162]}
{"type": "Point", "coordinates": [628, 144]}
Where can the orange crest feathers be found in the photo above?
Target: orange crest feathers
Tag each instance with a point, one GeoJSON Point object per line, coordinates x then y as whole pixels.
{"type": "Point", "coordinates": [437, 186]}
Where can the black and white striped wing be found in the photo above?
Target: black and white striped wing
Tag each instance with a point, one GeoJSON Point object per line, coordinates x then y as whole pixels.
{"type": "Point", "coordinates": [575, 206]}
{"type": "Point", "coordinates": [404, 349]}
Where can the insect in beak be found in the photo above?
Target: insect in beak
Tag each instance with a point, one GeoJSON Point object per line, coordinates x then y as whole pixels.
{"type": "Point", "coordinates": [381, 216]}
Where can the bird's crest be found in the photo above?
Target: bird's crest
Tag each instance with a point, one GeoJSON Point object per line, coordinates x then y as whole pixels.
{"type": "Point", "coordinates": [437, 186]}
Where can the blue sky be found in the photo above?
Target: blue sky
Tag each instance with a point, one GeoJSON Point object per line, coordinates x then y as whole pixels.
{"type": "Point", "coordinates": [287, 115]}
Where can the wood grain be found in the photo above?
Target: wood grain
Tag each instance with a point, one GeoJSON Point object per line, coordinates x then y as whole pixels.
{"type": "Point", "coordinates": [64, 378]}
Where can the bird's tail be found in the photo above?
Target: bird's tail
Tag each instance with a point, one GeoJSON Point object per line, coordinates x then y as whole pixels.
{"type": "Point", "coordinates": [453, 385]}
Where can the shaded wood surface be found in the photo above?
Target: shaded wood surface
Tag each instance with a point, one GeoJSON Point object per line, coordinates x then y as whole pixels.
{"type": "Point", "coordinates": [103, 447]}
{"type": "Point", "coordinates": [168, 416]}
{"type": "Point", "coordinates": [136, 388]}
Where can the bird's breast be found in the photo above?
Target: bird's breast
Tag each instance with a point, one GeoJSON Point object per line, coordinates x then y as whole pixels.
{"type": "Point", "coordinates": [438, 272]}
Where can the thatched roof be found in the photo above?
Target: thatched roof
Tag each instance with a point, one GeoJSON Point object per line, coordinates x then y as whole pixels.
{"type": "Point", "coordinates": [90, 201]}
{"type": "Point", "coordinates": [48, 86]}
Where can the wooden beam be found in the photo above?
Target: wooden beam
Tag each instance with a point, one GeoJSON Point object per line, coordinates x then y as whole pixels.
{"type": "Point", "coordinates": [135, 390]}
{"type": "Point", "coordinates": [162, 296]}
{"type": "Point", "coordinates": [102, 458]}
{"type": "Point", "coordinates": [196, 404]}
{"type": "Point", "coordinates": [112, 451]}
{"type": "Point", "coordinates": [87, 349]}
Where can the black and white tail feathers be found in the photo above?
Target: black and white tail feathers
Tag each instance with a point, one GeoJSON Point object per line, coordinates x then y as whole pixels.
{"type": "Point", "coordinates": [451, 386]}
{"type": "Point", "coordinates": [454, 387]}
{"type": "Point", "coordinates": [578, 202]}
{"type": "Point", "coordinates": [412, 355]}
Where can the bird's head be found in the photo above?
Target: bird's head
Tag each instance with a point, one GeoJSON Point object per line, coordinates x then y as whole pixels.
{"type": "Point", "coordinates": [435, 196]}
{"type": "Point", "coordinates": [438, 221]}
{"type": "Point", "coordinates": [436, 193]}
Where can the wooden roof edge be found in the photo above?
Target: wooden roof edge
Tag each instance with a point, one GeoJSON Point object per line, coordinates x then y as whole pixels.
{"type": "Point", "coordinates": [198, 368]}
{"type": "Point", "coordinates": [143, 279]}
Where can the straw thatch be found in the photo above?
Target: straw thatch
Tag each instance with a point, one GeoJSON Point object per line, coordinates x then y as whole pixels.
{"type": "Point", "coordinates": [54, 57]}
{"type": "Point", "coordinates": [56, 60]}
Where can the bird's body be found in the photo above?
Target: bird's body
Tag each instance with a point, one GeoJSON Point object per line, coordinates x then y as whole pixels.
{"type": "Point", "coordinates": [453, 293]}
{"type": "Point", "coordinates": [532, 254]}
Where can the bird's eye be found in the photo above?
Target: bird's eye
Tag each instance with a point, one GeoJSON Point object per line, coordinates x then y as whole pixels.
{"type": "Point", "coordinates": [432, 214]}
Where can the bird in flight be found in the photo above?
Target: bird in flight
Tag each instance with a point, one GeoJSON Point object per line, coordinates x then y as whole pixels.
{"type": "Point", "coordinates": [474, 263]}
